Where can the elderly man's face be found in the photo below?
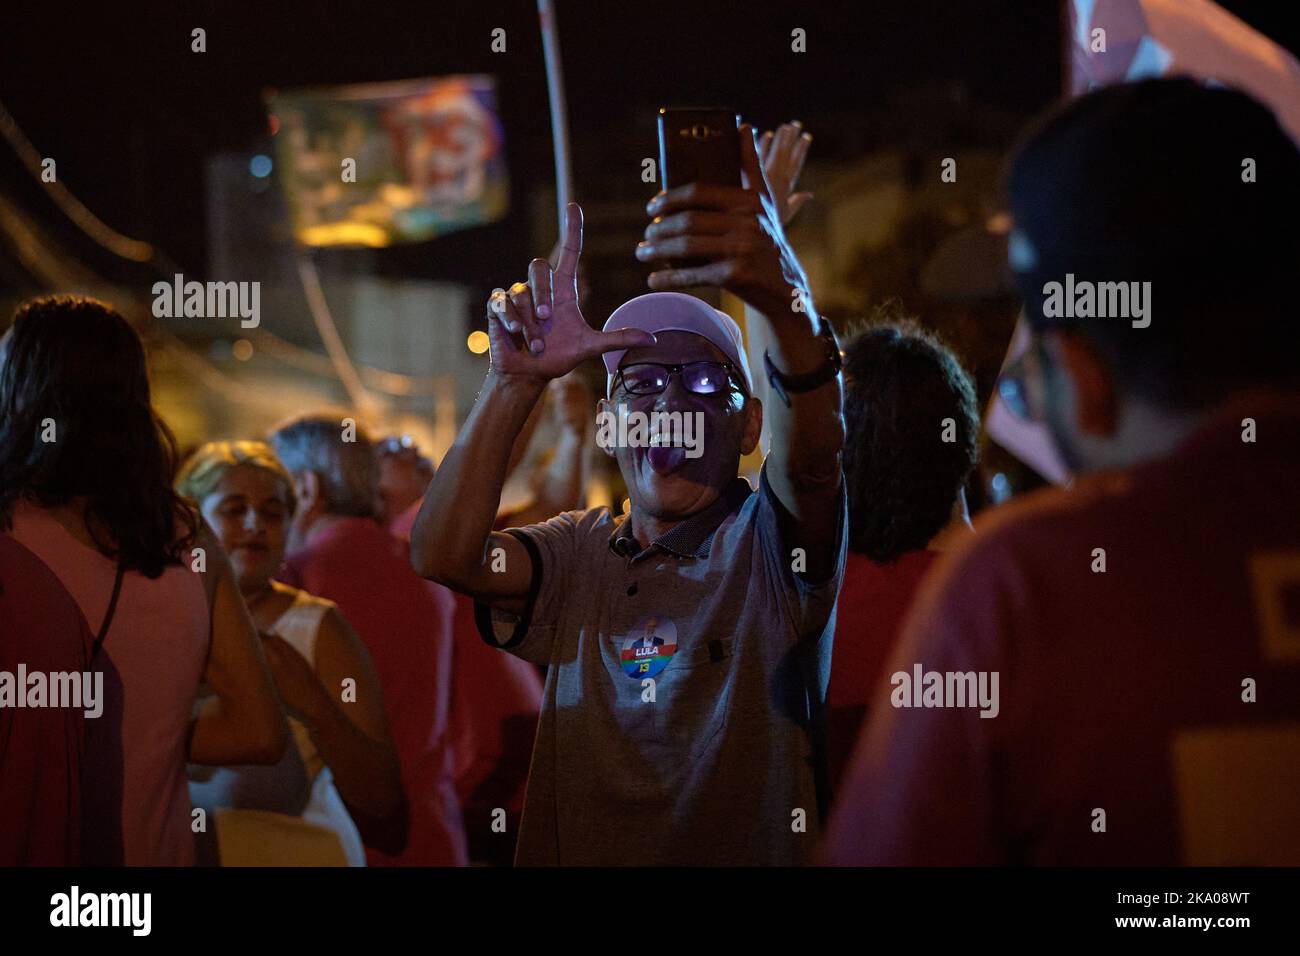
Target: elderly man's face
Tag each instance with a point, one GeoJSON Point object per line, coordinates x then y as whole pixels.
{"type": "Point", "coordinates": [671, 485]}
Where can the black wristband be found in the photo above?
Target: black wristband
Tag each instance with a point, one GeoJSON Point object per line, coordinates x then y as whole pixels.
{"type": "Point", "coordinates": [783, 384]}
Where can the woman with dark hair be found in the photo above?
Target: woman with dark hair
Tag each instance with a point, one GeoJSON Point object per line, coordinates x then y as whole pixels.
{"type": "Point", "coordinates": [911, 426]}
{"type": "Point", "coordinates": [85, 483]}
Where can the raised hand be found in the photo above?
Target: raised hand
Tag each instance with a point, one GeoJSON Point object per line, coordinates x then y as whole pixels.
{"type": "Point", "coordinates": [783, 153]}
{"type": "Point", "coordinates": [737, 230]}
{"type": "Point", "coordinates": [536, 328]}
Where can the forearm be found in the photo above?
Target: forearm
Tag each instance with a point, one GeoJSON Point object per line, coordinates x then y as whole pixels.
{"type": "Point", "coordinates": [224, 732]}
{"type": "Point", "coordinates": [450, 535]}
{"type": "Point", "coordinates": [242, 722]}
{"type": "Point", "coordinates": [366, 771]}
{"type": "Point", "coordinates": [807, 435]}
{"type": "Point", "coordinates": [524, 438]}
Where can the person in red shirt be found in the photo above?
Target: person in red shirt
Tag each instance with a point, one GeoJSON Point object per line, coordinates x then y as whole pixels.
{"type": "Point", "coordinates": [41, 748]}
{"type": "Point", "coordinates": [911, 424]}
{"type": "Point", "coordinates": [1109, 674]}
{"type": "Point", "coordinates": [337, 550]}
{"type": "Point", "coordinates": [404, 474]}
{"type": "Point", "coordinates": [496, 698]}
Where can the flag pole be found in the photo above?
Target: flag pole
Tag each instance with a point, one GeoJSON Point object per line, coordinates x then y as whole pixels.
{"type": "Point", "coordinates": [559, 114]}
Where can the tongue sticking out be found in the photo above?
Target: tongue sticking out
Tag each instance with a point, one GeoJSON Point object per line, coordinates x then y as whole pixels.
{"type": "Point", "coordinates": [664, 459]}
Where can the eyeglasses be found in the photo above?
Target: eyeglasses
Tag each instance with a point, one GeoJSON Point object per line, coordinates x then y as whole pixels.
{"type": "Point", "coordinates": [651, 378]}
{"type": "Point", "coordinates": [396, 445]}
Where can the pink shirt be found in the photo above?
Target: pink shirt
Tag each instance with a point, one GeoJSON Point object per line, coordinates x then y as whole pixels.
{"type": "Point", "coordinates": [495, 701]}
{"type": "Point", "coordinates": [359, 566]}
{"type": "Point", "coordinates": [156, 648]}
{"type": "Point", "coordinates": [1123, 691]}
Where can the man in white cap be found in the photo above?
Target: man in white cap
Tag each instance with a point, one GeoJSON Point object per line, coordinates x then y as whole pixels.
{"type": "Point", "coordinates": [710, 754]}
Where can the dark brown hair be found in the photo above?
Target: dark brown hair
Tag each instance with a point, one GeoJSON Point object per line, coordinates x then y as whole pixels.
{"type": "Point", "coordinates": [75, 364]}
{"type": "Point", "coordinates": [901, 383]}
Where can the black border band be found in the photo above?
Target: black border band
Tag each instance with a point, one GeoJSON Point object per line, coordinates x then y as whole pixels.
{"type": "Point", "coordinates": [483, 612]}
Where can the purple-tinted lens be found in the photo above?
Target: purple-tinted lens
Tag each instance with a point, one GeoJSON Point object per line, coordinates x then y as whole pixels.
{"type": "Point", "coordinates": [645, 379]}
{"type": "Point", "coordinates": [705, 378]}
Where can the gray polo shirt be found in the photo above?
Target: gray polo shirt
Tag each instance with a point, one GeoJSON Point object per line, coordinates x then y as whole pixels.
{"type": "Point", "coordinates": [681, 721]}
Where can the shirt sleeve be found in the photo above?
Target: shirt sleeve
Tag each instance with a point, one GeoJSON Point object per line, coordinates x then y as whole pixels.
{"type": "Point", "coordinates": [530, 635]}
{"type": "Point", "coordinates": [921, 787]}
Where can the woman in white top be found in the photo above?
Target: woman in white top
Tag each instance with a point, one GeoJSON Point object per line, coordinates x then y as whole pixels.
{"type": "Point", "coordinates": [300, 811]}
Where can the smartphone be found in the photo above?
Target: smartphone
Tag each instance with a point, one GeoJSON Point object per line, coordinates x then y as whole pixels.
{"type": "Point", "coordinates": [698, 146]}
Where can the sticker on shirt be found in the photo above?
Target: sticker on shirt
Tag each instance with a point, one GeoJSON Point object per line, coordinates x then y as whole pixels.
{"type": "Point", "coordinates": [649, 647]}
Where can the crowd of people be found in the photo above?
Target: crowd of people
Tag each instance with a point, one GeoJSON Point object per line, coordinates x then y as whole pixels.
{"type": "Point", "coordinates": [298, 637]}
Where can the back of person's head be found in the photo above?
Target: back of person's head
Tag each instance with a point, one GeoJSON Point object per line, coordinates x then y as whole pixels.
{"type": "Point", "coordinates": [911, 425]}
{"type": "Point", "coordinates": [1193, 189]}
{"type": "Point", "coordinates": [340, 453]}
{"type": "Point", "coordinates": [201, 474]}
{"type": "Point", "coordinates": [76, 420]}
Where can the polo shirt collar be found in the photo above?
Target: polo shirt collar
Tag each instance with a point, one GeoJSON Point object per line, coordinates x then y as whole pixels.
{"type": "Point", "coordinates": [694, 536]}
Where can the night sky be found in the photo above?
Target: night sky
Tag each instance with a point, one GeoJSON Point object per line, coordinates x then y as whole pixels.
{"type": "Point", "coordinates": [130, 113]}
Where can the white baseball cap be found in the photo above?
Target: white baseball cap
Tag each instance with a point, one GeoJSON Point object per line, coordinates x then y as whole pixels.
{"type": "Point", "coordinates": [677, 312]}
